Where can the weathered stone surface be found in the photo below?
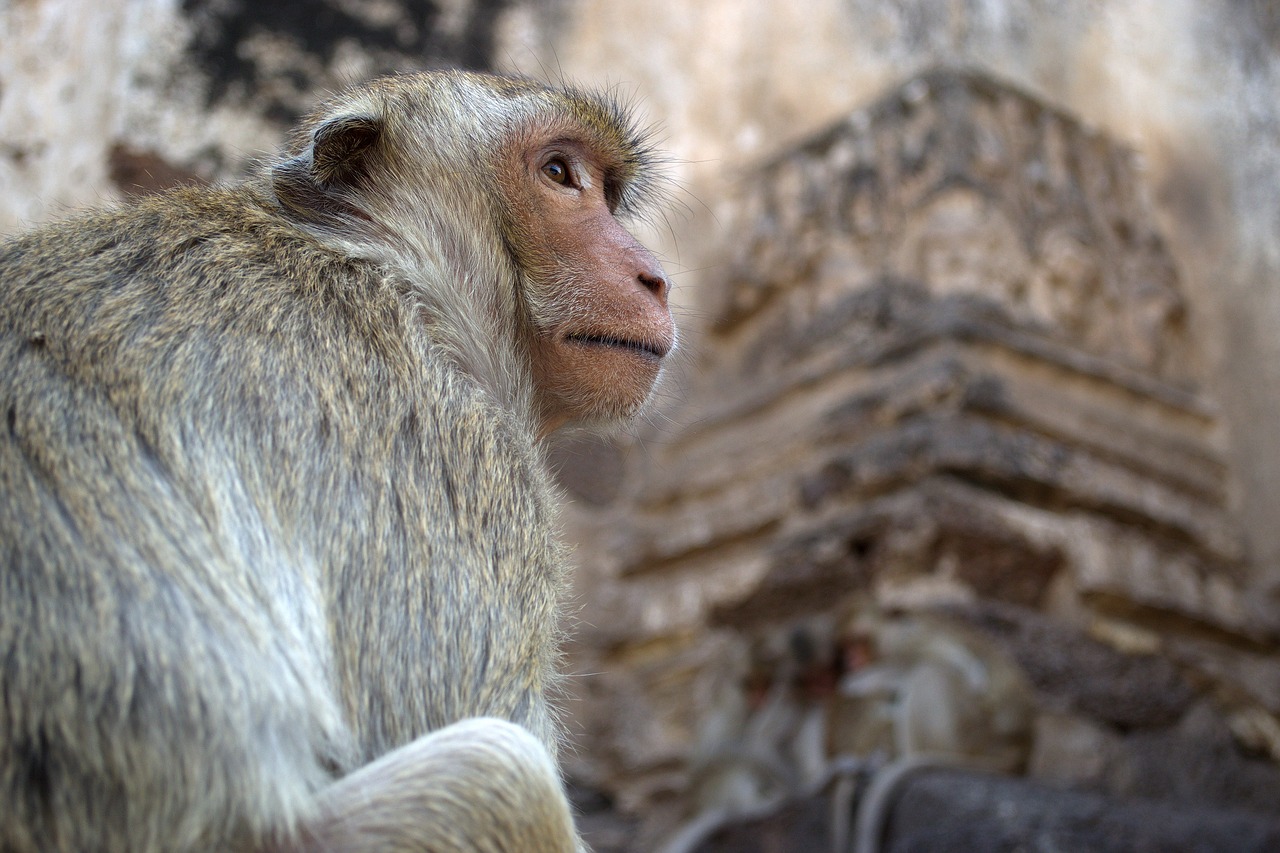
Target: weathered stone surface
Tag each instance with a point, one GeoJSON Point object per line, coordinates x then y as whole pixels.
{"type": "Point", "coordinates": [1080, 674]}
{"type": "Point", "coordinates": [803, 825]}
{"type": "Point", "coordinates": [952, 368]}
{"type": "Point", "coordinates": [136, 172]}
{"type": "Point", "coordinates": [602, 827]}
{"type": "Point", "coordinates": [973, 188]}
{"type": "Point", "coordinates": [590, 469]}
{"type": "Point", "coordinates": [1248, 672]}
{"type": "Point", "coordinates": [1071, 750]}
{"type": "Point", "coordinates": [279, 54]}
{"type": "Point", "coordinates": [1197, 763]}
{"type": "Point", "coordinates": [958, 812]}
{"type": "Point", "coordinates": [951, 811]}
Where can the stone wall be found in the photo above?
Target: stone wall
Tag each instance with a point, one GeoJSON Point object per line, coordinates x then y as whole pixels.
{"type": "Point", "coordinates": [947, 384]}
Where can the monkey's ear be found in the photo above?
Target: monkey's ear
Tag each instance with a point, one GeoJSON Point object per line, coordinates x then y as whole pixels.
{"type": "Point", "coordinates": [321, 185]}
{"type": "Point", "coordinates": [341, 147]}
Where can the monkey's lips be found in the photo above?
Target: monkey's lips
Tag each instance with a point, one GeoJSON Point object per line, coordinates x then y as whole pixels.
{"type": "Point", "coordinates": [644, 349]}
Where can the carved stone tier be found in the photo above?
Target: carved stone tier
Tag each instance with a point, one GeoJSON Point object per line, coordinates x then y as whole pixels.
{"type": "Point", "coordinates": [950, 314]}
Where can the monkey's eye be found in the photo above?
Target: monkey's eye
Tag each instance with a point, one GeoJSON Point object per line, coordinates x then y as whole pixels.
{"type": "Point", "coordinates": [558, 172]}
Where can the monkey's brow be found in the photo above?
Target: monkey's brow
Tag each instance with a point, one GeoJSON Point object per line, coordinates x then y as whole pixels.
{"type": "Point", "coordinates": [576, 141]}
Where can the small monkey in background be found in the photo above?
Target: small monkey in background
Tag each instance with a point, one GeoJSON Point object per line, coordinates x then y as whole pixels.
{"type": "Point", "coordinates": [281, 568]}
{"type": "Point", "coordinates": [936, 694]}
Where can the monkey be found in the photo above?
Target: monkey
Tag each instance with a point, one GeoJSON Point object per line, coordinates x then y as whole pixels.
{"type": "Point", "coordinates": [281, 560]}
{"type": "Point", "coordinates": [952, 698]}
{"type": "Point", "coordinates": [764, 743]}
{"type": "Point", "coordinates": [958, 694]}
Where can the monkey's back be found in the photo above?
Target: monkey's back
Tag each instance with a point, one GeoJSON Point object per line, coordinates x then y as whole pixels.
{"type": "Point", "coordinates": [176, 379]}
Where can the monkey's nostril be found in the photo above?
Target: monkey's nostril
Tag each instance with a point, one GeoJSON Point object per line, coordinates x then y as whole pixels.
{"type": "Point", "coordinates": [655, 284]}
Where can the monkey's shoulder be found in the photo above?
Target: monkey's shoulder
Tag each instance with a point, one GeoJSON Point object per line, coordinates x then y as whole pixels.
{"type": "Point", "coordinates": [187, 270]}
{"type": "Point", "coordinates": [185, 243]}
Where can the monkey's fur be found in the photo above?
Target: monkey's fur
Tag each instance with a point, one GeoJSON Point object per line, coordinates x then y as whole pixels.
{"type": "Point", "coordinates": [271, 500]}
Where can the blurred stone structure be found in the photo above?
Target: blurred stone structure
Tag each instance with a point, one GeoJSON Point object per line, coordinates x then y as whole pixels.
{"type": "Point", "coordinates": [948, 372]}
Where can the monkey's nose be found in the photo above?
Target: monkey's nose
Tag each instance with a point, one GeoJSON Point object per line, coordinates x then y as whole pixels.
{"type": "Point", "coordinates": [656, 283]}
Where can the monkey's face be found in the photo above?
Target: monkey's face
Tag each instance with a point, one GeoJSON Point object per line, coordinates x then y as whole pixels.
{"type": "Point", "coordinates": [597, 298]}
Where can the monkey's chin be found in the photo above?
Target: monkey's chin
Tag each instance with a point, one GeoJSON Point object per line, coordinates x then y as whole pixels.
{"type": "Point", "coordinates": [601, 388]}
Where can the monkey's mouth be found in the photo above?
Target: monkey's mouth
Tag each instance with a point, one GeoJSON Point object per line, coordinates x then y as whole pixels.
{"type": "Point", "coordinates": [645, 349]}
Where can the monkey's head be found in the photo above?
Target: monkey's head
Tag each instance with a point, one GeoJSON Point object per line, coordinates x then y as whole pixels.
{"type": "Point", "coordinates": [501, 203]}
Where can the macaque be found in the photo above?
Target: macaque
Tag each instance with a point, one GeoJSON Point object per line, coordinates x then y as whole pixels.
{"type": "Point", "coordinates": [935, 688]}
{"type": "Point", "coordinates": [763, 744]}
{"type": "Point", "coordinates": [281, 563]}
{"type": "Point", "coordinates": [927, 692]}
